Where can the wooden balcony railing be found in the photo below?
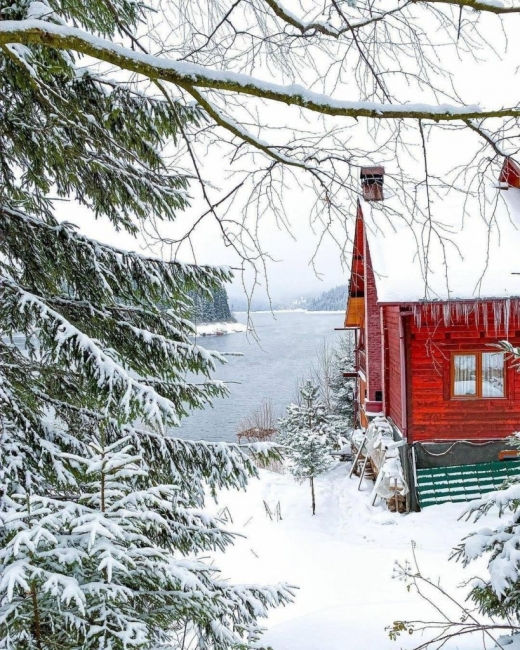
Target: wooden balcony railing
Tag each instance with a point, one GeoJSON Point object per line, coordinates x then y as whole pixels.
{"type": "Point", "coordinates": [362, 360]}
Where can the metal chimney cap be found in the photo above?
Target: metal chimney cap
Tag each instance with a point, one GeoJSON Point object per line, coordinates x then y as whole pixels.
{"type": "Point", "coordinates": [367, 172]}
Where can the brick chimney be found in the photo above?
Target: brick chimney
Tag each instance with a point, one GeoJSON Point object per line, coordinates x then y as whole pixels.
{"type": "Point", "coordinates": [372, 179]}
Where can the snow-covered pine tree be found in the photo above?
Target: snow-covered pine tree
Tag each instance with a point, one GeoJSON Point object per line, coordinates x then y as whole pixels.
{"type": "Point", "coordinates": [309, 437]}
{"type": "Point", "coordinates": [101, 510]}
{"type": "Point", "coordinates": [212, 310]}
{"type": "Point", "coordinates": [499, 594]}
{"type": "Point", "coordinates": [336, 391]}
{"type": "Point", "coordinates": [342, 388]}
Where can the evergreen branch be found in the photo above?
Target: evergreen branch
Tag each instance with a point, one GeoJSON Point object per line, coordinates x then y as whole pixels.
{"type": "Point", "coordinates": [94, 269]}
{"type": "Point", "coordinates": [76, 346]}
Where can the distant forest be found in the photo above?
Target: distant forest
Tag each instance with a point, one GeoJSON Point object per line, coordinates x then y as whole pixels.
{"type": "Point", "coordinates": [212, 311]}
{"type": "Point", "coordinates": [333, 300]}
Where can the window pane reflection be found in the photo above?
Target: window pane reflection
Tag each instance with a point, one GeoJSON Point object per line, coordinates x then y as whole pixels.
{"type": "Point", "coordinates": [465, 380]}
{"type": "Point", "coordinates": [493, 374]}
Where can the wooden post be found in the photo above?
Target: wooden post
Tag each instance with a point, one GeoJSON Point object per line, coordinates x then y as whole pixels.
{"type": "Point", "coordinates": [357, 458]}
{"type": "Point", "coordinates": [313, 496]}
{"type": "Point", "coordinates": [362, 473]}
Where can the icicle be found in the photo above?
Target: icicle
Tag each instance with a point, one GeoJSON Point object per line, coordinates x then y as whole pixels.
{"type": "Point", "coordinates": [485, 316]}
{"type": "Point", "coordinates": [459, 310]}
{"type": "Point", "coordinates": [507, 315]}
{"type": "Point", "coordinates": [476, 311]}
{"type": "Point", "coordinates": [497, 315]}
{"type": "Point", "coordinates": [417, 314]}
{"type": "Point", "coordinates": [467, 308]}
{"type": "Point", "coordinates": [446, 313]}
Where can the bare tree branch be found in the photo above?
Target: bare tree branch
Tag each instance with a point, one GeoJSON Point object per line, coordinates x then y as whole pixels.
{"type": "Point", "coordinates": [189, 76]}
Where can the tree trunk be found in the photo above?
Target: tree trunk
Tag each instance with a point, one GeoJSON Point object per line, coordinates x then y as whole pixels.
{"type": "Point", "coordinates": [36, 615]}
{"type": "Point", "coordinates": [313, 496]}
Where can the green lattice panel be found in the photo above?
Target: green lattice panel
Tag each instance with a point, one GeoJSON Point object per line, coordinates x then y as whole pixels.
{"type": "Point", "coordinates": [463, 482]}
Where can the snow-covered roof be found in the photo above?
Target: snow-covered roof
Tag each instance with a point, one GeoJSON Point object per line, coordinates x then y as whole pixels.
{"type": "Point", "coordinates": [464, 248]}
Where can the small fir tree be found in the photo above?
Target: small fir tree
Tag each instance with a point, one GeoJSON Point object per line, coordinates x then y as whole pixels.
{"type": "Point", "coordinates": [308, 435]}
{"type": "Point", "coordinates": [101, 509]}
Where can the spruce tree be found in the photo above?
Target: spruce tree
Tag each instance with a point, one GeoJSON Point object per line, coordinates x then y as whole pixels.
{"type": "Point", "coordinates": [309, 437]}
{"type": "Point", "coordinates": [212, 309]}
{"type": "Point", "coordinates": [101, 508]}
{"type": "Point", "coordinates": [342, 388]}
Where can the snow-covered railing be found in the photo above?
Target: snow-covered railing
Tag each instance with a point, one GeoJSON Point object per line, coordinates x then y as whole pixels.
{"type": "Point", "coordinates": [380, 454]}
{"type": "Point", "coordinates": [384, 450]}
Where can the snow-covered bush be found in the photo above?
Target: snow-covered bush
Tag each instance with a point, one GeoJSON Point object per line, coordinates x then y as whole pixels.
{"type": "Point", "coordinates": [309, 437]}
{"type": "Point", "coordinates": [498, 594]}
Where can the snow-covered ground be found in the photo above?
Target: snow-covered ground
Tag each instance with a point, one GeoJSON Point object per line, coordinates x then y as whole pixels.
{"type": "Point", "coordinates": [342, 561]}
{"type": "Point", "coordinates": [213, 329]}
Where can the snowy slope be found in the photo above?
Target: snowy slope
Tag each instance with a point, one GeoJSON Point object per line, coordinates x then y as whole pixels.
{"type": "Point", "coordinates": [342, 560]}
{"type": "Point", "coordinates": [334, 299]}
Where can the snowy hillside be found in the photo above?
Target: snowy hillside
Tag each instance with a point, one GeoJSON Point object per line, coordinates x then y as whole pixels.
{"type": "Point", "coordinates": [342, 560]}
{"type": "Point", "coordinates": [241, 304]}
{"type": "Point", "coordinates": [333, 300]}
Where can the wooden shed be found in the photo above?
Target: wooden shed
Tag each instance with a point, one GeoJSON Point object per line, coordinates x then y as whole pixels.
{"type": "Point", "coordinates": [434, 289]}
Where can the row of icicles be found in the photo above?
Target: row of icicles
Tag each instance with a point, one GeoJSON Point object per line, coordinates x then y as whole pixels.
{"type": "Point", "coordinates": [505, 312]}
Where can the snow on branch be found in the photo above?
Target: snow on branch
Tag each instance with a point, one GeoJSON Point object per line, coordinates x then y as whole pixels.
{"type": "Point", "coordinates": [110, 265]}
{"type": "Point", "coordinates": [491, 6]}
{"type": "Point", "coordinates": [190, 75]}
{"type": "Point", "coordinates": [132, 395]}
{"type": "Point", "coordinates": [325, 27]}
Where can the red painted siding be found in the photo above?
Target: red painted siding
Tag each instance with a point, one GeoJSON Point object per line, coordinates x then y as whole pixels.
{"type": "Point", "coordinates": [393, 370]}
{"type": "Point", "coordinates": [373, 331]}
{"type": "Point", "coordinates": [434, 415]}
{"type": "Point", "coordinates": [510, 173]}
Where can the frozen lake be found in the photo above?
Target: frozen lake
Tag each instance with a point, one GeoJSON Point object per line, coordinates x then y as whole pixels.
{"type": "Point", "coordinates": [268, 369]}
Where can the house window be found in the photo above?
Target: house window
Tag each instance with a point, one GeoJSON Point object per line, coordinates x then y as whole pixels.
{"type": "Point", "coordinates": [478, 375]}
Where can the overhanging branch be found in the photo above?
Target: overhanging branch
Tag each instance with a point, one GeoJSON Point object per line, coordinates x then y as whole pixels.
{"type": "Point", "coordinates": [190, 75]}
{"type": "Point", "coordinates": [490, 6]}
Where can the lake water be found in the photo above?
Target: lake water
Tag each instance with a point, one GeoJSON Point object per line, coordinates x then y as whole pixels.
{"type": "Point", "coordinates": [268, 369]}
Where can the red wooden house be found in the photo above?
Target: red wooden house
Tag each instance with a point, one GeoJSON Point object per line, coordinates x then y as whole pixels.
{"type": "Point", "coordinates": [434, 287]}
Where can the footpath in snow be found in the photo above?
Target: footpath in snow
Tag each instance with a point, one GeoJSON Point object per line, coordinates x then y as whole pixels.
{"type": "Point", "coordinates": [342, 561]}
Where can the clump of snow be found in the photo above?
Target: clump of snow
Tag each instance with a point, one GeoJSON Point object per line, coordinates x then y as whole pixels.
{"type": "Point", "coordinates": [219, 329]}
{"type": "Point", "coordinates": [381, 446]}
